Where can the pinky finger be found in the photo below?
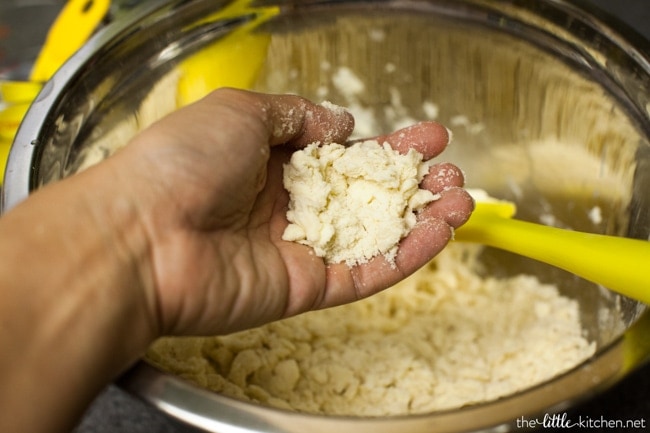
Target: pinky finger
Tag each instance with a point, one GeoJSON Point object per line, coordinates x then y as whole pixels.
{"type": "Point", "coordinates": [434, 229]}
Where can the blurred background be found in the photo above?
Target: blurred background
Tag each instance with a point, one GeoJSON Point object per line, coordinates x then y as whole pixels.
{"type": "Point", "coordinates": [23, 27]}
{"type": "Point", "coordinates": [24, 24]}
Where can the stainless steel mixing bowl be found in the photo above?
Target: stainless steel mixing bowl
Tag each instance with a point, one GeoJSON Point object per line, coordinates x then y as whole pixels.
{"type": "Point", "coordinates": [550, 108]}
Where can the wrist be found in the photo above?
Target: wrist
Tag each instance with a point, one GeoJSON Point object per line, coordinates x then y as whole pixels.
{"type": "Point", "coordinates": [76, 307]}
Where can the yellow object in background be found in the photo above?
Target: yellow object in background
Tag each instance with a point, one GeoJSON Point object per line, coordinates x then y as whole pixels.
{"type": "Point", "coordinates": [11, 115]}
{"type": "Point", "coordinates": [614, 262]}
{"type": "Point", "coordinates": [636, 343]}
{"type": "Point", "coordinates": [75, 23]}
{"type": "Point", "coordinates": [16, 96]}
{"type": "Point", "coordinates": [5, 147]}
{"type": "Point", "coordinates": [14, 92]}
{"type": "Point", "coordinates": [10, 118]}
{"type": "Point", "coordinates": [232, 61]}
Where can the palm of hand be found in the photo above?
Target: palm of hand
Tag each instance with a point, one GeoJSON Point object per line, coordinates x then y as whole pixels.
{"type": "Point", "coordinates": [219, 262]}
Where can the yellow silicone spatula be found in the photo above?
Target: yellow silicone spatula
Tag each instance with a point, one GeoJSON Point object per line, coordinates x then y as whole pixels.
{"type": "Point", "coordinates": [620, 264]}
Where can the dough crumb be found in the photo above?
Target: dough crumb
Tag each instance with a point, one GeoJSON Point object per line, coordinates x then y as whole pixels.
{"type": "Point", "coordinates": [444, 338]}
{"type": "Point", "coordinates": [333, 107]}
{"type": "Point", "coordinates": [353, 203]}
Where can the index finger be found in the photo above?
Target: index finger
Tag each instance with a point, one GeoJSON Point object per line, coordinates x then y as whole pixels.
{"type": "Point", "coordinates": [294, 120]}
{"type": "Point", "coordinates": [428, 138]}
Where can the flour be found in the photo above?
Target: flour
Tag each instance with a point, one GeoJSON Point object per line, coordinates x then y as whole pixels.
{"type": "Point", "coordinates": [353, 203]}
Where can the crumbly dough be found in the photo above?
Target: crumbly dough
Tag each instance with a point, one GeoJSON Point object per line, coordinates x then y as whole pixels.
{"type": "Point", "coordinates": [444, 338]}
{"type": "Point", "coordinates": [351, 203]}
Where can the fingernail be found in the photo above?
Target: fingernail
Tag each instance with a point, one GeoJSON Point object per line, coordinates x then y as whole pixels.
{"type": "Point", "coordinates": [450, 135]}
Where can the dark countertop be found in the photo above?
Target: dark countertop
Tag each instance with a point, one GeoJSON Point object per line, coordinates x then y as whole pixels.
{"type": "Point", "coordinates": [116, 411]}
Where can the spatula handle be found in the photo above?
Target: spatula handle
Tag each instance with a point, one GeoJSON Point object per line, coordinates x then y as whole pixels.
{"type": "Point", "coordinates": [617, 263]}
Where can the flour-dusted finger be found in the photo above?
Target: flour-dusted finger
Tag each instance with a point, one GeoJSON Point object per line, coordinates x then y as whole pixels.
{"type": "Point", "coordinates": [443, 176]}
{"type": "Point", "coordinates": [428, 138]}
{"type": "Point", "coordinates": [299, 122]}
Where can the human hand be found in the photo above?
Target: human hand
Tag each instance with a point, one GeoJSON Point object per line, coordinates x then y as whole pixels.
{"type": "Point", "coordinates": [207, 184]}
{"type": "Point", "coordinates": [180, 233]}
